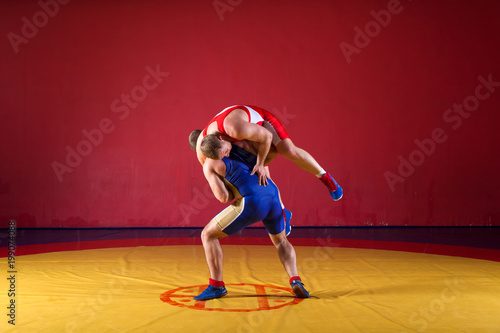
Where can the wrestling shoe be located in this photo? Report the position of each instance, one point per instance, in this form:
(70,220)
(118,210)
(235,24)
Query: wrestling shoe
(211,292)
(298,289)
(288,217)
(334,188)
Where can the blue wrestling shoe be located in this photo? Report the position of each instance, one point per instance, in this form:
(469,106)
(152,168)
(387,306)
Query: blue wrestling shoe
(334,188)
(298,289)
(211,292)
(288,217)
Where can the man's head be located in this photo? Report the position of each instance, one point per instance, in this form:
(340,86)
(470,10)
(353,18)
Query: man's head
(193,138)
(215,147)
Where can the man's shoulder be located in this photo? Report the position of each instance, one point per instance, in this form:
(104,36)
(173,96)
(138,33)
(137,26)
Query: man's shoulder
(214,166)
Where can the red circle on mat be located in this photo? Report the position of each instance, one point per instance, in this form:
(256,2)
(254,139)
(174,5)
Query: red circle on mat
(183,297)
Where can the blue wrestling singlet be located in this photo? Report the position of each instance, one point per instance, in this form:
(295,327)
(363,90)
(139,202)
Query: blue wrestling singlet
(257,202)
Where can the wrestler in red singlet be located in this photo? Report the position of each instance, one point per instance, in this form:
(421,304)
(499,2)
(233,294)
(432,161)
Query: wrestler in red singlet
(257,116)
(299,156)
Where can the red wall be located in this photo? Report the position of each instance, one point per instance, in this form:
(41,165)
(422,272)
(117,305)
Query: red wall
(357,101)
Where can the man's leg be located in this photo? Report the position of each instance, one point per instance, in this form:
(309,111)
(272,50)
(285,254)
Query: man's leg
(213,252)
(286,253)
(299,156)
(288,258)
(305,161)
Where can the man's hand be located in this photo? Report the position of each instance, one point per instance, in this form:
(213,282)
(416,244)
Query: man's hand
(261,171)
(268,174)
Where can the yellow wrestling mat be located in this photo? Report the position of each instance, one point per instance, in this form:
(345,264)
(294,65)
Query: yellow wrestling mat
(150,289)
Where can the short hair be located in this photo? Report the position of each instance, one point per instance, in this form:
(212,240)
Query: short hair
(210,146)
(193,138)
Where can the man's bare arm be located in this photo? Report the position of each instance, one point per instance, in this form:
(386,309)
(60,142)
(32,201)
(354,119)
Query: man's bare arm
(215,181)
(242,130)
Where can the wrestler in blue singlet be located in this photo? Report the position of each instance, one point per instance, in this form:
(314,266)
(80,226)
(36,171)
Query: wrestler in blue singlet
(259,203)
